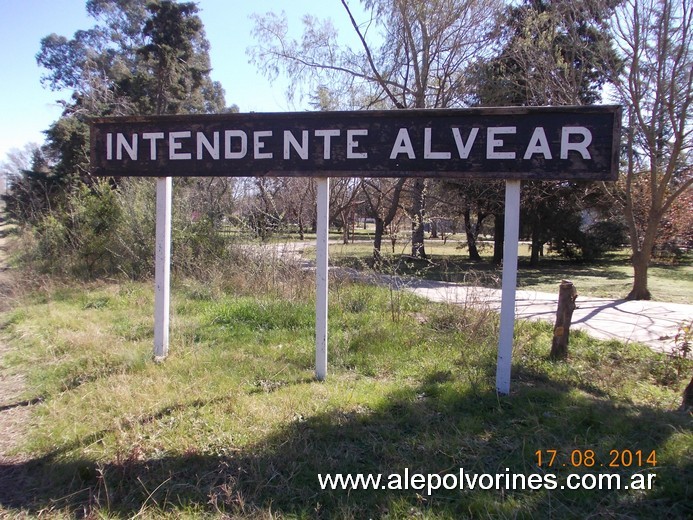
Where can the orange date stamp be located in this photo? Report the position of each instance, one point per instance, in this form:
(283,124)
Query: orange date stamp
(585,458)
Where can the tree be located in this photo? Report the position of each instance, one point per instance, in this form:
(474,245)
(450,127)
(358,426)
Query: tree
(176,61)
(142,58)
(139,58)
(417,60)
(382,198)
(676,229)
(31,184)
(551,52)
(654,39)
(465,198)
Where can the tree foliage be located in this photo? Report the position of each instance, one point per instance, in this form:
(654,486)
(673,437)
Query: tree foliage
(141,58)
(551,52)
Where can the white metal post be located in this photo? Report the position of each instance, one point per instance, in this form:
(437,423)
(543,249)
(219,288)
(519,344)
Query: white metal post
(507,317)
(323,196)
(162,275)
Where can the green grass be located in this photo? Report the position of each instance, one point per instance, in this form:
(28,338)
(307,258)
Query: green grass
(610,277)
(234,423)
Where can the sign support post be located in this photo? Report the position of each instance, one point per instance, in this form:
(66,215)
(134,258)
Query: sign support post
(321,277)
(507,317)
(162,276)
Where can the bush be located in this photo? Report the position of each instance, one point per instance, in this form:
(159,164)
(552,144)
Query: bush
(101,230)
(74,238)
(602,237)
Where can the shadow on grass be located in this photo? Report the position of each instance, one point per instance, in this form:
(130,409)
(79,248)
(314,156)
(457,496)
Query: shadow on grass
(459,269)
(432,428)
(555,271)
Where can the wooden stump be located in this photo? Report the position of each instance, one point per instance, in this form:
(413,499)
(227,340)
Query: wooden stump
(567,294)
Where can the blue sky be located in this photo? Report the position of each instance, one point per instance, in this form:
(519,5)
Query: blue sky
(27,108)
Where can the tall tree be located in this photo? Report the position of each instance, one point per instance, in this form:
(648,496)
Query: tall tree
(140,58)
(654,38)
(416,60)
(551,52)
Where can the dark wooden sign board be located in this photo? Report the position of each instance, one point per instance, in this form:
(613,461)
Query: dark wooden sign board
(544,143)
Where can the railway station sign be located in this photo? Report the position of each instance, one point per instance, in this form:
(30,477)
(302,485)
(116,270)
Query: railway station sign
(543,143)
(510,143)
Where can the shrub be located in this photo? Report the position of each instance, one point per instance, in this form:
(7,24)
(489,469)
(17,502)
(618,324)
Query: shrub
(602,237)
(102,230)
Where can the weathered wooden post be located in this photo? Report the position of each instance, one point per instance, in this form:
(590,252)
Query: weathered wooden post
(567,293)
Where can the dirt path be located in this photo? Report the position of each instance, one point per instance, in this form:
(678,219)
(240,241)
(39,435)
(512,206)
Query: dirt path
(14,411)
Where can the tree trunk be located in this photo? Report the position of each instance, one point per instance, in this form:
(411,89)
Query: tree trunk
(378,240)
(687,403)
(498,236)
(434,229)
(564,315)
(301,228)
(641,261)
(345,231)
(381,222)
(474,255)
(536,244)
(417,233)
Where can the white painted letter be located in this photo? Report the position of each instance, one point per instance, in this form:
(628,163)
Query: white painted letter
(122,143)
(538,144)
(152,137)
(228,154)
(109,146)
(327,135)
(290,141)
(464,148)
(351,144)
(259,145)
(402,145)
(174,146)
(492,143)
(428,154)
(580,147)
(212,149)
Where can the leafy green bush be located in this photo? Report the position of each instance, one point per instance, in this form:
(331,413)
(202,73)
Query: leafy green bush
(102,230)
(602,237)
(74,238)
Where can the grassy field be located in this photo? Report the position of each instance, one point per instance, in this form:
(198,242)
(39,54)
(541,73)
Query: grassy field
(611,277)
(234,424)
